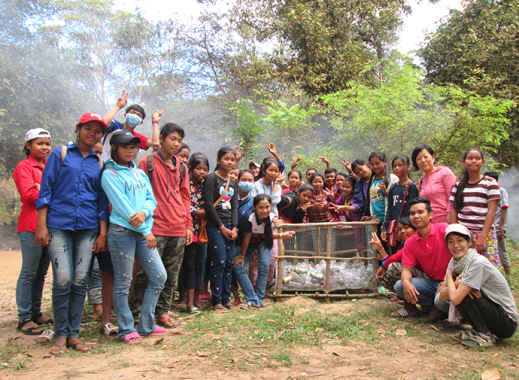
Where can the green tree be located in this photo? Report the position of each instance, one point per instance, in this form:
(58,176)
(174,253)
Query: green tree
(402,112)
(477,49)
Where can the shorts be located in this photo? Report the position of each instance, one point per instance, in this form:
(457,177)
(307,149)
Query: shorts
(105,262)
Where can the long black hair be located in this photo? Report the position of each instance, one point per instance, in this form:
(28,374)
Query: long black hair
(222,152)
(458,198)
(265,164)
(197,159)
(382,157)
(268,238)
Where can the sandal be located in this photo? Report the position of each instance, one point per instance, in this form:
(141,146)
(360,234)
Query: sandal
(402,313)
(166,321)
(132,338)
(79,346)
(45,337)
(35,330)
(219,308)
(58,349)
(231,306)
(108,329)
(46,321)
(157,330)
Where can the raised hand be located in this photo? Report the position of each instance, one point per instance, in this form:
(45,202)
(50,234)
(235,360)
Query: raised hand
(156,116)
(122,100)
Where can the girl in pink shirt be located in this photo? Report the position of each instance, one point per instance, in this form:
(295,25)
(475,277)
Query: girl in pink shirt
(436,184)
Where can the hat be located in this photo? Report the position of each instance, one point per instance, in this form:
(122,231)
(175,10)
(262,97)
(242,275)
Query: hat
(123,137)
(36,133)
(254,164)
(460,229)
(92,116)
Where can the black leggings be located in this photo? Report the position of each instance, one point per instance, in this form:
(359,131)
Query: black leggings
(192,265)
(487,316)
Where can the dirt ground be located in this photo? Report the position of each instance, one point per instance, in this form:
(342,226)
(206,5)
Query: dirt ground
(428,354)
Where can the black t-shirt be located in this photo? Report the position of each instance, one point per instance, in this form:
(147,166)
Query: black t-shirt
(289,208)
(226,211)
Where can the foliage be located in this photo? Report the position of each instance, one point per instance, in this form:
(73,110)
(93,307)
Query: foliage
(477,49)
(322,45)
(402,112)
(248,125)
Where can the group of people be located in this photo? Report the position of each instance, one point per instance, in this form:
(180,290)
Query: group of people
(170,223)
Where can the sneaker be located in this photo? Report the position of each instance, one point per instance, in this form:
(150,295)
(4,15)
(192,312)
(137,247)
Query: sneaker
(474,338)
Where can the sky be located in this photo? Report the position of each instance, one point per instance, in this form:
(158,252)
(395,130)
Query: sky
(424,19)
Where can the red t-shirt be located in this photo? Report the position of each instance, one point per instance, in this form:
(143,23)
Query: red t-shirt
(26,175)
(430,254)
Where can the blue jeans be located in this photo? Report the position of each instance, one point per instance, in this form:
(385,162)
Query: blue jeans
(427,289)
(126,246)
(221,253)
(264,255)
(71,256)
(29,288)
(240,272)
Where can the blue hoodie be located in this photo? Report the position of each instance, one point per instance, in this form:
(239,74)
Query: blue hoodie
(129,191)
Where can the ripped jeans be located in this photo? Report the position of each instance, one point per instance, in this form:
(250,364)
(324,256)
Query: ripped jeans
(71,256)
(126,246)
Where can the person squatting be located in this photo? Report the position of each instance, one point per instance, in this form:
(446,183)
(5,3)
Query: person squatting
(172,224)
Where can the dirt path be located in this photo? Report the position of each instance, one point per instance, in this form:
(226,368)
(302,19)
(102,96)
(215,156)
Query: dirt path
(398,350)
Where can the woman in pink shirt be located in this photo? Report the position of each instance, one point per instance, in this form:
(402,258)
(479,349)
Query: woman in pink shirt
(436,184)
(35,259)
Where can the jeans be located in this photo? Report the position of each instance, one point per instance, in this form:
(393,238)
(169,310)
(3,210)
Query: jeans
(264,256)
(240,273)
(29,288)
(71,256)
(126,246)
(425,286)
(221,252)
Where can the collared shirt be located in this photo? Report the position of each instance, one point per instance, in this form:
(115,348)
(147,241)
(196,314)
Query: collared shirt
(430,254)
(26,176)
(72,191)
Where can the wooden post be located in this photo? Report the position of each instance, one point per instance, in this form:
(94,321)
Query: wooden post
(328,262)
(279,277)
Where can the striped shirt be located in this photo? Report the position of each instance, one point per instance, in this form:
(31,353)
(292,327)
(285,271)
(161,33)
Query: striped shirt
(475,202)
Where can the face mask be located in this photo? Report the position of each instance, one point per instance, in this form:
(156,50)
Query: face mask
(246,187)
(133,120)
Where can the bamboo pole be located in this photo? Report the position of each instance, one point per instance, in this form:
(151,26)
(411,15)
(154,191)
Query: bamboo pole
(359,258)
(328,254)
(279,276)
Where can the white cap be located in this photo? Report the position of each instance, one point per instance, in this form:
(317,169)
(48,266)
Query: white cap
(36,133)
(459,229)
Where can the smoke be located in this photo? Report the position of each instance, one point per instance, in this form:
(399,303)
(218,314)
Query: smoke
(510,181)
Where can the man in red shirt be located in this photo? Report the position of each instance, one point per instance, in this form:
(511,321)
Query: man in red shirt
(426,250)
(173,225)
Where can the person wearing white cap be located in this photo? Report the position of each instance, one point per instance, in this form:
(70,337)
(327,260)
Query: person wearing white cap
(478,290)
(35,259)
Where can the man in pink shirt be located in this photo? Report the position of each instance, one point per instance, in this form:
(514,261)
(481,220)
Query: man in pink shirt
(425,250)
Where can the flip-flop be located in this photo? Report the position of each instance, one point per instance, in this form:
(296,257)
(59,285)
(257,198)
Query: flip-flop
(79,346)
(157,330)
(36,330)
(132,338)
(58,349)
(167,322)
(49,321)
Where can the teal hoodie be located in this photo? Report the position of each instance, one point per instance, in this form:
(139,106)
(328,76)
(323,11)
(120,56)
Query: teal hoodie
(129,191)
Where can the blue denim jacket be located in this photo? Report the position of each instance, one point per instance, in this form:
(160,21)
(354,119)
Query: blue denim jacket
(72,191)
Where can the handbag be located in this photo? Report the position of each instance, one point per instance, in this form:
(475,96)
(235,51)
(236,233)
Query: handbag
(392,227)
(202,231)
